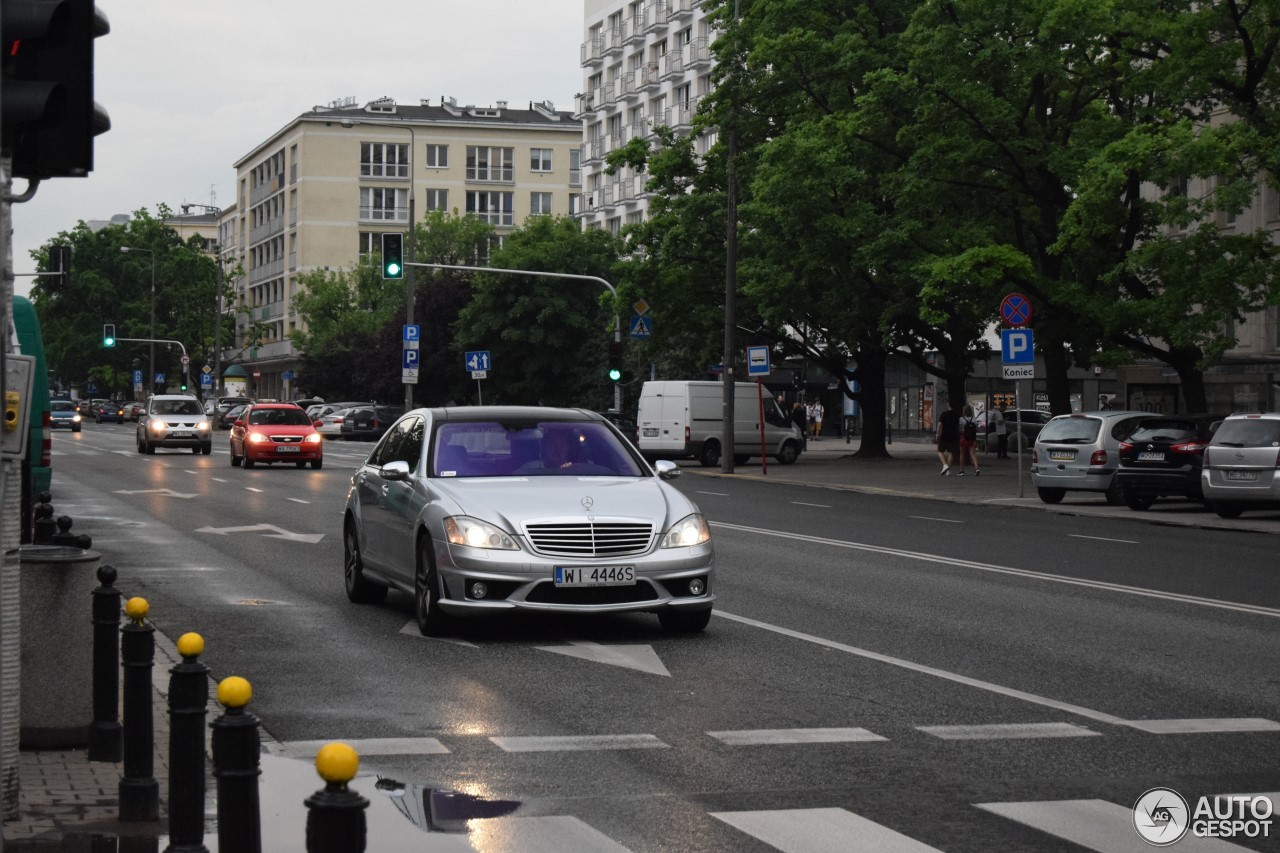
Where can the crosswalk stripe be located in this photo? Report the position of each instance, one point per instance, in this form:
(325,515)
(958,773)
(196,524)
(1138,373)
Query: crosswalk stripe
(577,743)
(756,737)
(1096,825)
(1210,726)
(821,831)
(558,834)
(370,746)
(1008,731)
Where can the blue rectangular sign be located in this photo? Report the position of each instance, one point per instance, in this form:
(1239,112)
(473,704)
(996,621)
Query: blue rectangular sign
(410,359)
(1017,346)
(476,360)
(413,333)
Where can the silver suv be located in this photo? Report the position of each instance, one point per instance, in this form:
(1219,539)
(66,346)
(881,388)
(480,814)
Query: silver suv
(174,420)
(1080,453)
(1242,465)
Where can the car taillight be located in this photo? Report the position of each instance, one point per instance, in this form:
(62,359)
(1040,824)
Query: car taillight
(1193,447)
(1099,457)
(1035,457)
(687,435)
(1126,445)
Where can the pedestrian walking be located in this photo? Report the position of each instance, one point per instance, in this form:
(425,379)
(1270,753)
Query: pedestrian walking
(969,440)
(948,437)
(818,412)
(996,427)
(808,412)
(801,420)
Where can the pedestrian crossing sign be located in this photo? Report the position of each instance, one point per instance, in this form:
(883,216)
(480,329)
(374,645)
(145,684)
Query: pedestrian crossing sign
(641,327)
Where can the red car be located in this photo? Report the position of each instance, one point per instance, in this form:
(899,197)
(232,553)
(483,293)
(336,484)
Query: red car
(275,432)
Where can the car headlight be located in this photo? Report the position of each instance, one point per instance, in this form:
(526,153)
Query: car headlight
(157,425)
(202,425)
(463,530)
(75,419)
(314,438)
(257,438)
(690,530)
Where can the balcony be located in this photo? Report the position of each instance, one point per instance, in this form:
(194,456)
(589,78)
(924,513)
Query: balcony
(680,117)
(266,272)
(673,64)
(624,88)
(613,40)
(656,16)
(639,129)
(376,215)
(680,10)
(273,350)
(632,30)
(593,51)
(698,53)
(583,105)
(268,229)
(648,75)
(592,149)
(270,187)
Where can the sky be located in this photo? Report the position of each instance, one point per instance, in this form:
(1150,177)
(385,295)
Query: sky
(192,87)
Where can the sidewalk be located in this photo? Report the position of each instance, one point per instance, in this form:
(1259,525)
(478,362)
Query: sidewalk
(65,799)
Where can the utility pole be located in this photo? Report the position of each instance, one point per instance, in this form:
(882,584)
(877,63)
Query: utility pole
(730,271)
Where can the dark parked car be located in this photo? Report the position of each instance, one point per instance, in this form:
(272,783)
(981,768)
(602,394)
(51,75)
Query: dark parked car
(107,410)
(1164,457)
(369,423)
(227,419)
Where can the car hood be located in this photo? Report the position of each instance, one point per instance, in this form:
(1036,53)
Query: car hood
(280,429)
(513,501)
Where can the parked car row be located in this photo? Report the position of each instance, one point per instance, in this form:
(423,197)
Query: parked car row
(1230,464)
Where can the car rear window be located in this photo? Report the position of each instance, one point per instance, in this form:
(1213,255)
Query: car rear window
(1166,431)
(1071,430)
(1248,432)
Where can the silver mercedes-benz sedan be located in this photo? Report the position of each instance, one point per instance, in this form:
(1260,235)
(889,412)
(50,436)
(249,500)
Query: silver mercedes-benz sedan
(486,509)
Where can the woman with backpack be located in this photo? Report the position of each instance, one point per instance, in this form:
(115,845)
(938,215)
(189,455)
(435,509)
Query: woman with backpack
(969,441)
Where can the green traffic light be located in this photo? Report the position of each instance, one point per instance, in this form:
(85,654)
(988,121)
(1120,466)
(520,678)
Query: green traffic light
(393,269)
(615,374)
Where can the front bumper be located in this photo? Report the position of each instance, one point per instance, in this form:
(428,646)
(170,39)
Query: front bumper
(168,439)
(273,452)
(519,580)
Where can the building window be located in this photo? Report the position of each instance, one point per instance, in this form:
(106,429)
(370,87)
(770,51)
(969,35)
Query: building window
(540,159)
(489,164)
(437,200)
(575,204)
(539,204)
(380,160)
(384,205)
(369,243)
(494,208)
(575,167)
(1271,201)
(437,156)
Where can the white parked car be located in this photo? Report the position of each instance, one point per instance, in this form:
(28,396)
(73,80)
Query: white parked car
(331,423)
(1242,465)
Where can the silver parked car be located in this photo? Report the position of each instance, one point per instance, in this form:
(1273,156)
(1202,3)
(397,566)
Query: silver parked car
(1242,465)
(1081,452)
(479,510)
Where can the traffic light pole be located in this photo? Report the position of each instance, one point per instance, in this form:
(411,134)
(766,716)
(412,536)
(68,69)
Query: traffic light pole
(617,320)
(186,362)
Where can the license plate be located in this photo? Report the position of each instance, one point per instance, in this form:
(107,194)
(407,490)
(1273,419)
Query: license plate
(1150,457)
(179,435)
(1242,475)
(650,433)
(287,448)
(595,576)
(1062,455)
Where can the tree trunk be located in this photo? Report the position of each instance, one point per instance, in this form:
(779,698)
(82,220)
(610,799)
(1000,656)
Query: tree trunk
(870,374)
(1185,361)
(1056,382)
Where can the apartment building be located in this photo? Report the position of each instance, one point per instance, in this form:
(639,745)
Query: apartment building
(318,193)
(645,64)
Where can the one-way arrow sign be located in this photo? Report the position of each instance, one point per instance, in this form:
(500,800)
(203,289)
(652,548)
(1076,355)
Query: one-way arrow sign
(309,538)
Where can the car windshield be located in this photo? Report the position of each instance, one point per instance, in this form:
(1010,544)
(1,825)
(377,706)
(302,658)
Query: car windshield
(1249,432)
(63,406)
(279,417)
(524,448)
(1071,430)
(177,407)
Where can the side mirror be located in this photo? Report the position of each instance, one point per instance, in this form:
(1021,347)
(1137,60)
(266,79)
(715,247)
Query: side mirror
(398,470)
(667,470)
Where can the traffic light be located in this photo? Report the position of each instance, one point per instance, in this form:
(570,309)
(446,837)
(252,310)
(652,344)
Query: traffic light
(615,361)
(108,334)
(393,255)
(60,262)
(49,117)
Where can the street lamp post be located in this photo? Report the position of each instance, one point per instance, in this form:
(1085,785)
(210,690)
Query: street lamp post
(217,300)
(152,366)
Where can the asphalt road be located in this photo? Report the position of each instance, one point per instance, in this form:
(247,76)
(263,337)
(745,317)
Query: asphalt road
(883,673)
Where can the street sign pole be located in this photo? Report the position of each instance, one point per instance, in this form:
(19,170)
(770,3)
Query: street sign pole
(1017,407)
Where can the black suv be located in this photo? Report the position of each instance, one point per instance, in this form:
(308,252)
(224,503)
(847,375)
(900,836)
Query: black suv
(1163,457)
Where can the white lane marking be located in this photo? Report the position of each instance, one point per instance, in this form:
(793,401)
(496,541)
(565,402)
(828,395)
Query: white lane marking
(717,494)
(1095,825)
(555,834)
(299,501)
(369,746)
(577,743)
(1008,731)
(758,737)
(1012,693)
(218,479)
(1006,570)
(931,518)
(821,506)
(1205,726)
(641,657)
(252,489)
(1103,539)
(821,831)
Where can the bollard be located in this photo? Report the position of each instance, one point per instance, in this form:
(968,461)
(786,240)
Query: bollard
(139,790)
(44,527)
(235,767)
(104,731)
(64,536)
(188,707)
(335,816)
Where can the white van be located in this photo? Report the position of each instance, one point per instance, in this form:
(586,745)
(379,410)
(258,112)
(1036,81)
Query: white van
(682,420)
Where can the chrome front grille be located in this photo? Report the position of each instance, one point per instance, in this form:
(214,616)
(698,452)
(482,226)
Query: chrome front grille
(287,439)
(593,539)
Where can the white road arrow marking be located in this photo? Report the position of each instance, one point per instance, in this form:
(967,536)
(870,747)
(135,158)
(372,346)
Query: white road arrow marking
(170,492)
(309,538)
(640,657)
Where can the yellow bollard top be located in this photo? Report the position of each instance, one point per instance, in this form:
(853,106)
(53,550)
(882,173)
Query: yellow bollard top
(234,692)
(337,762)
(137,609)
(191,645)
